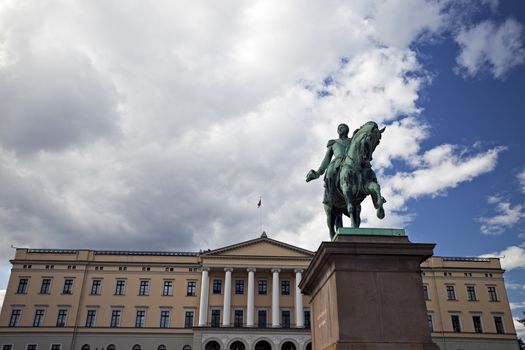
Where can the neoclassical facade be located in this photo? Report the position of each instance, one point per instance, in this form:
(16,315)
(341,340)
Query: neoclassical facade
(240,297)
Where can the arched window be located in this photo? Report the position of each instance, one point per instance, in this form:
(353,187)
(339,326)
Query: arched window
(309,346)
(237,345)
(263,345)
(136,347)
(288,346)
(186,347)
(111,347)
(85,347)
(161,347)
(212,345)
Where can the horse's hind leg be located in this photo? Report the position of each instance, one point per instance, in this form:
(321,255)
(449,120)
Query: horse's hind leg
(357,214)
(375,191)
(330,221)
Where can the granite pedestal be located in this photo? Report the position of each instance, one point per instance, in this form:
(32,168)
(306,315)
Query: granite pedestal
(367,293)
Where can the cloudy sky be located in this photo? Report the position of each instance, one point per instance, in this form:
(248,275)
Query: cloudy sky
(157,126)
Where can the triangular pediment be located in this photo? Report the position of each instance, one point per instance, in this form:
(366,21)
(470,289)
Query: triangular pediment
(261,247)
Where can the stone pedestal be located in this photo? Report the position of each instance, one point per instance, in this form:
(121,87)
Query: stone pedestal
(367,292)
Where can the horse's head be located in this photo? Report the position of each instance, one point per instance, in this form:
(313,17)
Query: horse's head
(365,140)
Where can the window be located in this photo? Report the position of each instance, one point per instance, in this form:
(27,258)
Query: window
(120,287)
(476,320)
(90,318)
(471,293)
(191,288)
(217,286)
(7,347)
(115,318)
(430,323)
(95,287)
(238,318)
(144,287)
(498,322)
(22,286)
(168,288)
(186,347)
(188,319)
(164,319)
(161,347)
(137,346)
(85,347)
(39,318)
(68,286)
(307,322)
(140,319)
(261,318)
(32,347)
(239,286)
(45,288)
(493,296)
(451,293)
(15,317)
(263,287)
(56,346)
(215,318)
(285,287)
(456,325)
(285,318)
(111,347)
(425,292)
(61,318)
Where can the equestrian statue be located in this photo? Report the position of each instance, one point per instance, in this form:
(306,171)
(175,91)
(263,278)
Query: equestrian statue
(349,177)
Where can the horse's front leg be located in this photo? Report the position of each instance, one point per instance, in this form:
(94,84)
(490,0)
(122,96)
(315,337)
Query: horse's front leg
(346,189)
(357,215)
(375,191)
(329,210)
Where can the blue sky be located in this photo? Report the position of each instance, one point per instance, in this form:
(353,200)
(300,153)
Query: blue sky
(158,126)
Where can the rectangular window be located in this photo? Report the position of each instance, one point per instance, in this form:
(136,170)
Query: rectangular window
(456,325)
(493,296)
(7,347)
(430,323)
(120,287)
(498,322)
(217,286)
(45,288)
(451,293)
(426,294)
(239,286)
(32,347)
(164,319)
(61,318)
(140,319)
(307,322)
(90,318)
(39,318)
(168,288)
(22,286)
(115,318)
(68,286)
(215,318)
(261,318)
(15,317)
(144,287)
(238,318)
(285,318)
(95,287)
(476,321)
(191,288)
(56,347)
(285,287)
(263,287)
(471,293)
(188,319)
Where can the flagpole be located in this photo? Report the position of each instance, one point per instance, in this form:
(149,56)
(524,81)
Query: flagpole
(259,206)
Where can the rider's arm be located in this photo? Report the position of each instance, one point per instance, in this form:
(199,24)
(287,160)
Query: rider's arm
(326,161)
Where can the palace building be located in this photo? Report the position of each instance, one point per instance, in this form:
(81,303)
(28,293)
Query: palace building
(240,297)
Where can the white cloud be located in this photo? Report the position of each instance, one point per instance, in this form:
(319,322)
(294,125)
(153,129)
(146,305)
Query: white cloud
(517,305)
(506,216)
(520,328)
(492,46)
(521,180)
(512,257)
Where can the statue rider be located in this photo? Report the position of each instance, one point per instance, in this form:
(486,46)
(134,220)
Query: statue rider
(335,154)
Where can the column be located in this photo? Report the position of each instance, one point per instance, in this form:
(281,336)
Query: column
(250,309)
(299,312)
(227,297)
(203,307)
(275,298)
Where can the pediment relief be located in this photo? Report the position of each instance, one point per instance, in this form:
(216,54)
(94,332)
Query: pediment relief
(260,248)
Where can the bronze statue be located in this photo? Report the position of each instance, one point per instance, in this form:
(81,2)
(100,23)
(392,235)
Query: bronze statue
(349,176)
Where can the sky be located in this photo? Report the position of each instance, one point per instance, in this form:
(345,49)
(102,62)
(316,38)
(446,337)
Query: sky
(158,125)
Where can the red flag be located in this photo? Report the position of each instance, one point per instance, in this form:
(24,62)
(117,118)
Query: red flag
(259,204)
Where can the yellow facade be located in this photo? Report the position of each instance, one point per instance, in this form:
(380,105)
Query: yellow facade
(80,299)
